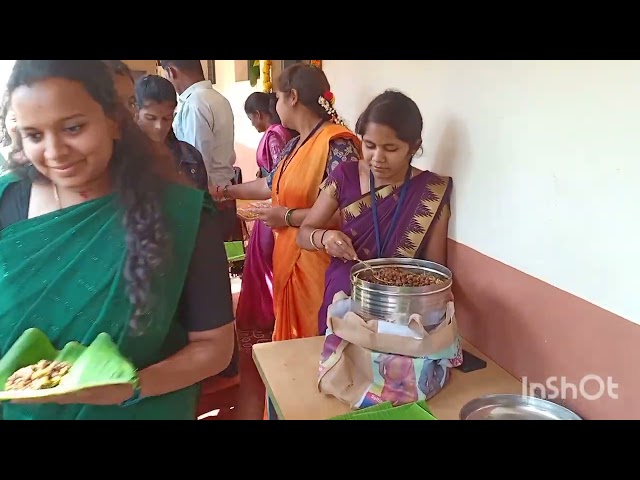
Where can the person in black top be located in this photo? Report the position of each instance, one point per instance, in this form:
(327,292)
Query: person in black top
(156,101)
(95,238)
(205,303)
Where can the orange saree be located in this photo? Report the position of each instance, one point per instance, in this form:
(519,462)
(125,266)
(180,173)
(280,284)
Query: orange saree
(298,274)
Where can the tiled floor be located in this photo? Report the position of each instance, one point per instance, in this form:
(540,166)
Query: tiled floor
(243,401)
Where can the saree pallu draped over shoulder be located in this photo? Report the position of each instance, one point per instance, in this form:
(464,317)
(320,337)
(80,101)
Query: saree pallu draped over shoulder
(428,197)
(62,273)
(299,274)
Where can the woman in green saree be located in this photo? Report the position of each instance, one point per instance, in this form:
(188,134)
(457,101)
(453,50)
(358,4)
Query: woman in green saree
(93,238)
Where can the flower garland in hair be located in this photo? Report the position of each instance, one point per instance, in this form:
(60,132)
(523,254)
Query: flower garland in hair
(326,101)
(266,76)
(316,63)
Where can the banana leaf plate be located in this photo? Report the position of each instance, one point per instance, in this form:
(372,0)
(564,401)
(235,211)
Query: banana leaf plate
(97,364)
(235,251)
(385,411)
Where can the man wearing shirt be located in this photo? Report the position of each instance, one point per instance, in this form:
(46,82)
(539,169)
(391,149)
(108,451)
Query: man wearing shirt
(203,118)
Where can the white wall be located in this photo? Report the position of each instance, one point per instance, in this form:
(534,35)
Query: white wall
(545,157)
(237,93)
(5,71)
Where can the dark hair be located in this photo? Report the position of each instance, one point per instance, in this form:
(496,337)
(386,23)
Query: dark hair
(192,66)
(154,88)
(396,111)
(118,67)
(137,186)
(263,103)
(310,82)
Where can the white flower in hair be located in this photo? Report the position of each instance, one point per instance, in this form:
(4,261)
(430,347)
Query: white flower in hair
(328,107)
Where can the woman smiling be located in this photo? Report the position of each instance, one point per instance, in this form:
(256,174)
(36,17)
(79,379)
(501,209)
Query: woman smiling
(93,240)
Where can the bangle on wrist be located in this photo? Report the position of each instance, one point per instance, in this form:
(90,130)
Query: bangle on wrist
(311,239)
(287,217)
(322,237)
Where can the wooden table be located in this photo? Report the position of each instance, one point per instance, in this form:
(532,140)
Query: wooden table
(289,370)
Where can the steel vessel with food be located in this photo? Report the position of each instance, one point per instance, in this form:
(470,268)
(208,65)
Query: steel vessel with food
(393,289)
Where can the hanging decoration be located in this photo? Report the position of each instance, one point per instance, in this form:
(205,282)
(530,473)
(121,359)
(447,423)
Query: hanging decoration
(316,63)
(266,76)
(254,71)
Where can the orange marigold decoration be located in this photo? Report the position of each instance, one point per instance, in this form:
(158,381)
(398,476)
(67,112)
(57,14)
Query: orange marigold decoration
(266,76)
(316,63)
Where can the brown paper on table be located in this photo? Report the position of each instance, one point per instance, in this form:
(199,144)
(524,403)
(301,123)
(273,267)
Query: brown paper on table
(347,372)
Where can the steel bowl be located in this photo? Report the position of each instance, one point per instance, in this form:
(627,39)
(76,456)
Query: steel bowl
(514,407)
(397,304)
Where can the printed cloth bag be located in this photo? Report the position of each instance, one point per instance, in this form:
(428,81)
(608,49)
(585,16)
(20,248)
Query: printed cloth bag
(368,362)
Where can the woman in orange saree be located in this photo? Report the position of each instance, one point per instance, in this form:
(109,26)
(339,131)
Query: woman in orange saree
(304,105)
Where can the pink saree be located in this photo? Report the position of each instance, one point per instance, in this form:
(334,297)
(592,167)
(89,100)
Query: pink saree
(255,304)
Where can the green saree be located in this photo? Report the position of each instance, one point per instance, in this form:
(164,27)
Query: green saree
(62,273)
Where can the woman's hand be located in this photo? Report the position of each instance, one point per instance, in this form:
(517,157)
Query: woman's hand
(107,395)
(273,217)
(338,245)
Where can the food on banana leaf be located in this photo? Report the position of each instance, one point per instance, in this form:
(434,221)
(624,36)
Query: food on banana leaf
(44,374)
(34,368)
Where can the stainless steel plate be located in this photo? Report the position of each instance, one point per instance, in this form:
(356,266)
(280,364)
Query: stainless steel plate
(514,407)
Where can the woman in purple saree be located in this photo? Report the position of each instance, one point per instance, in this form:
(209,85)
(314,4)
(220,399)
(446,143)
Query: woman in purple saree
(255,304)
(407,217)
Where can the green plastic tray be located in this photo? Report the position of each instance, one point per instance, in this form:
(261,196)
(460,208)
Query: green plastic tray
(411,411)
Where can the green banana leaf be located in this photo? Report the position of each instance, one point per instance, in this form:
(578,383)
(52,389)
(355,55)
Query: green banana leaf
(412,411)
(235,251)
(375,408)
(254,72)
(98,364)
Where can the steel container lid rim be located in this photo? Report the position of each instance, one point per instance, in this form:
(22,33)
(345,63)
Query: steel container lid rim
(425,265)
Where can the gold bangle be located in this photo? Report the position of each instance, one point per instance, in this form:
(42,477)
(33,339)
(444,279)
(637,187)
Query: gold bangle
(311,239)
(287,217)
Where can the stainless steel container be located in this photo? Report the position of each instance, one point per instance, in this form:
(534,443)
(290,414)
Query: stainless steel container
(372,301)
